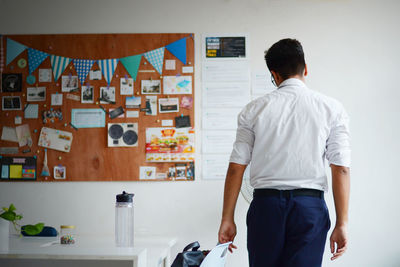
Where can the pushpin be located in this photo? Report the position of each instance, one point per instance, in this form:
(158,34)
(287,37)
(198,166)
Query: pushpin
(97,102)
(182,115)
(160,76)
(137,93)
(51,109)
(145,63)
(50,47)
(23,94)
(35,131)
(44,105)
(7,114)
(158,120)
(34,157)
(57,84)
(126,76)
(38,151)
(59,158)
(65,125)
(190,63)
(45,178)
(116,75)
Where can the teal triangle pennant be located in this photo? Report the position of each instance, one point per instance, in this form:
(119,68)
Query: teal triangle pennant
(13,50)
(131,65)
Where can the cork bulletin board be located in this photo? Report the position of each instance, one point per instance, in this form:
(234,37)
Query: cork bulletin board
(34,62)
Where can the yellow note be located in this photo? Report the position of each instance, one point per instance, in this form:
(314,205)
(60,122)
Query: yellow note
(15,171)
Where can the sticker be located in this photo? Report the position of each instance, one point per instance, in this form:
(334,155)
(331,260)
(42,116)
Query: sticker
(187,102)
(21,63)
(15,171)
(18,119)
(60,172)
(132,114)
(166,123)
(30,79)
(147,173)
(187,69)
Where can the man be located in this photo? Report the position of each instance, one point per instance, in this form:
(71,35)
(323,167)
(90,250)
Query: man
(286,135)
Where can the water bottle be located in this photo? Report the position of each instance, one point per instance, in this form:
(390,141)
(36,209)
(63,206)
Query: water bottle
(124,220)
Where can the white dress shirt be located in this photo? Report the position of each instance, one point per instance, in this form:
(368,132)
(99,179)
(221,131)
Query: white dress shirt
(287,134)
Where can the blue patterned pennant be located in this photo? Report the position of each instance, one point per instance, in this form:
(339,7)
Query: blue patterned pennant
(82,67)
(178,49)
(58,65)
(35,58)
(108,67)
(156,58)
(13,50)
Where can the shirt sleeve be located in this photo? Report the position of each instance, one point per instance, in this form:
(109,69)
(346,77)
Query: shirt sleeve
(243,146)
(338,144)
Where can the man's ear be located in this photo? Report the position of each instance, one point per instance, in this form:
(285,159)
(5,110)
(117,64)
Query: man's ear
(277,77)
(305,70)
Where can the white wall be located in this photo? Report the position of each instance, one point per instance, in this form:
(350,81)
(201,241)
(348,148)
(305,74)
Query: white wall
(352,51)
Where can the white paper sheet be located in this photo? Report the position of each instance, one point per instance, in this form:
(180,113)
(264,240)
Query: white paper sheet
(9,134)
(220,118)
(226,94)
(226,71)
(170,64)
(217,142)
(215,166)
(261,82)
(132,114)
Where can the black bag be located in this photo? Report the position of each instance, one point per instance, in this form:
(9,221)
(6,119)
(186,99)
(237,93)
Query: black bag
(189,257)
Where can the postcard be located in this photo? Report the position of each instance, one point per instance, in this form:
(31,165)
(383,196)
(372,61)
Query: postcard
(56,99)
(95,74)
(87,94)
(151,86)
(107,95)
(177,85)
(151,105)
(167,105)
(126,86)
(133,102)
(69,83)
(11,102)
(36,94)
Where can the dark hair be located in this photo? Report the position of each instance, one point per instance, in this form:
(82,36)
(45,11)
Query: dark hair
(286,57)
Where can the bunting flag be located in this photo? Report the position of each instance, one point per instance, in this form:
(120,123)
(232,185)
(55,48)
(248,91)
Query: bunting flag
(13,50)
(132,64)
(108,67)
(82,67)
(35,58)
(178,49)
(58,64)
(156,58)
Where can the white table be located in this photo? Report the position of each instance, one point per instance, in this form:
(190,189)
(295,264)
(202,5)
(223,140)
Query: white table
(152,251)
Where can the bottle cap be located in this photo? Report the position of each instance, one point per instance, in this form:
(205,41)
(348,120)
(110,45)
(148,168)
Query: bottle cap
(125,197)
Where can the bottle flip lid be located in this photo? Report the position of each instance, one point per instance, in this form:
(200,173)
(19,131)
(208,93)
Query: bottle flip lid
(125,197)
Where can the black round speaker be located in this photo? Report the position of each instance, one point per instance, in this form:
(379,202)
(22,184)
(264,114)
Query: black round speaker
(130,137)
(115,131)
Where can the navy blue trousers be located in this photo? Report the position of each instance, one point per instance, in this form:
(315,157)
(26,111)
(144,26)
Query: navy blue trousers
(287,231)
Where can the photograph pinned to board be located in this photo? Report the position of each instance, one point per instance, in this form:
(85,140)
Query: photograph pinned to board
(11,82)
(87,94)
(147,173)
(171,172)
(56,99)
(116,113)
(180,171)
(126,86)
(133,102)
(24,135)
(187,102)
(176,85)
(151,87)
(95,75)
(151,105)
(69,83)
(167,105)
(107,95)
(11,103)
(60,172)
(55,139)
(45,75)
(35,94)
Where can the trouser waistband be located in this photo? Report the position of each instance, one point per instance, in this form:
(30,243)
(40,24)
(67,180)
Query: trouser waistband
(287,193)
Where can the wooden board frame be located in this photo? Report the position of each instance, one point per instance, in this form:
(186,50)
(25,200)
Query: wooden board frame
(90,159)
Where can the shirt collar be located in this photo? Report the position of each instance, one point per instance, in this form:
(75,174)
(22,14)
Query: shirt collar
(292,82)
